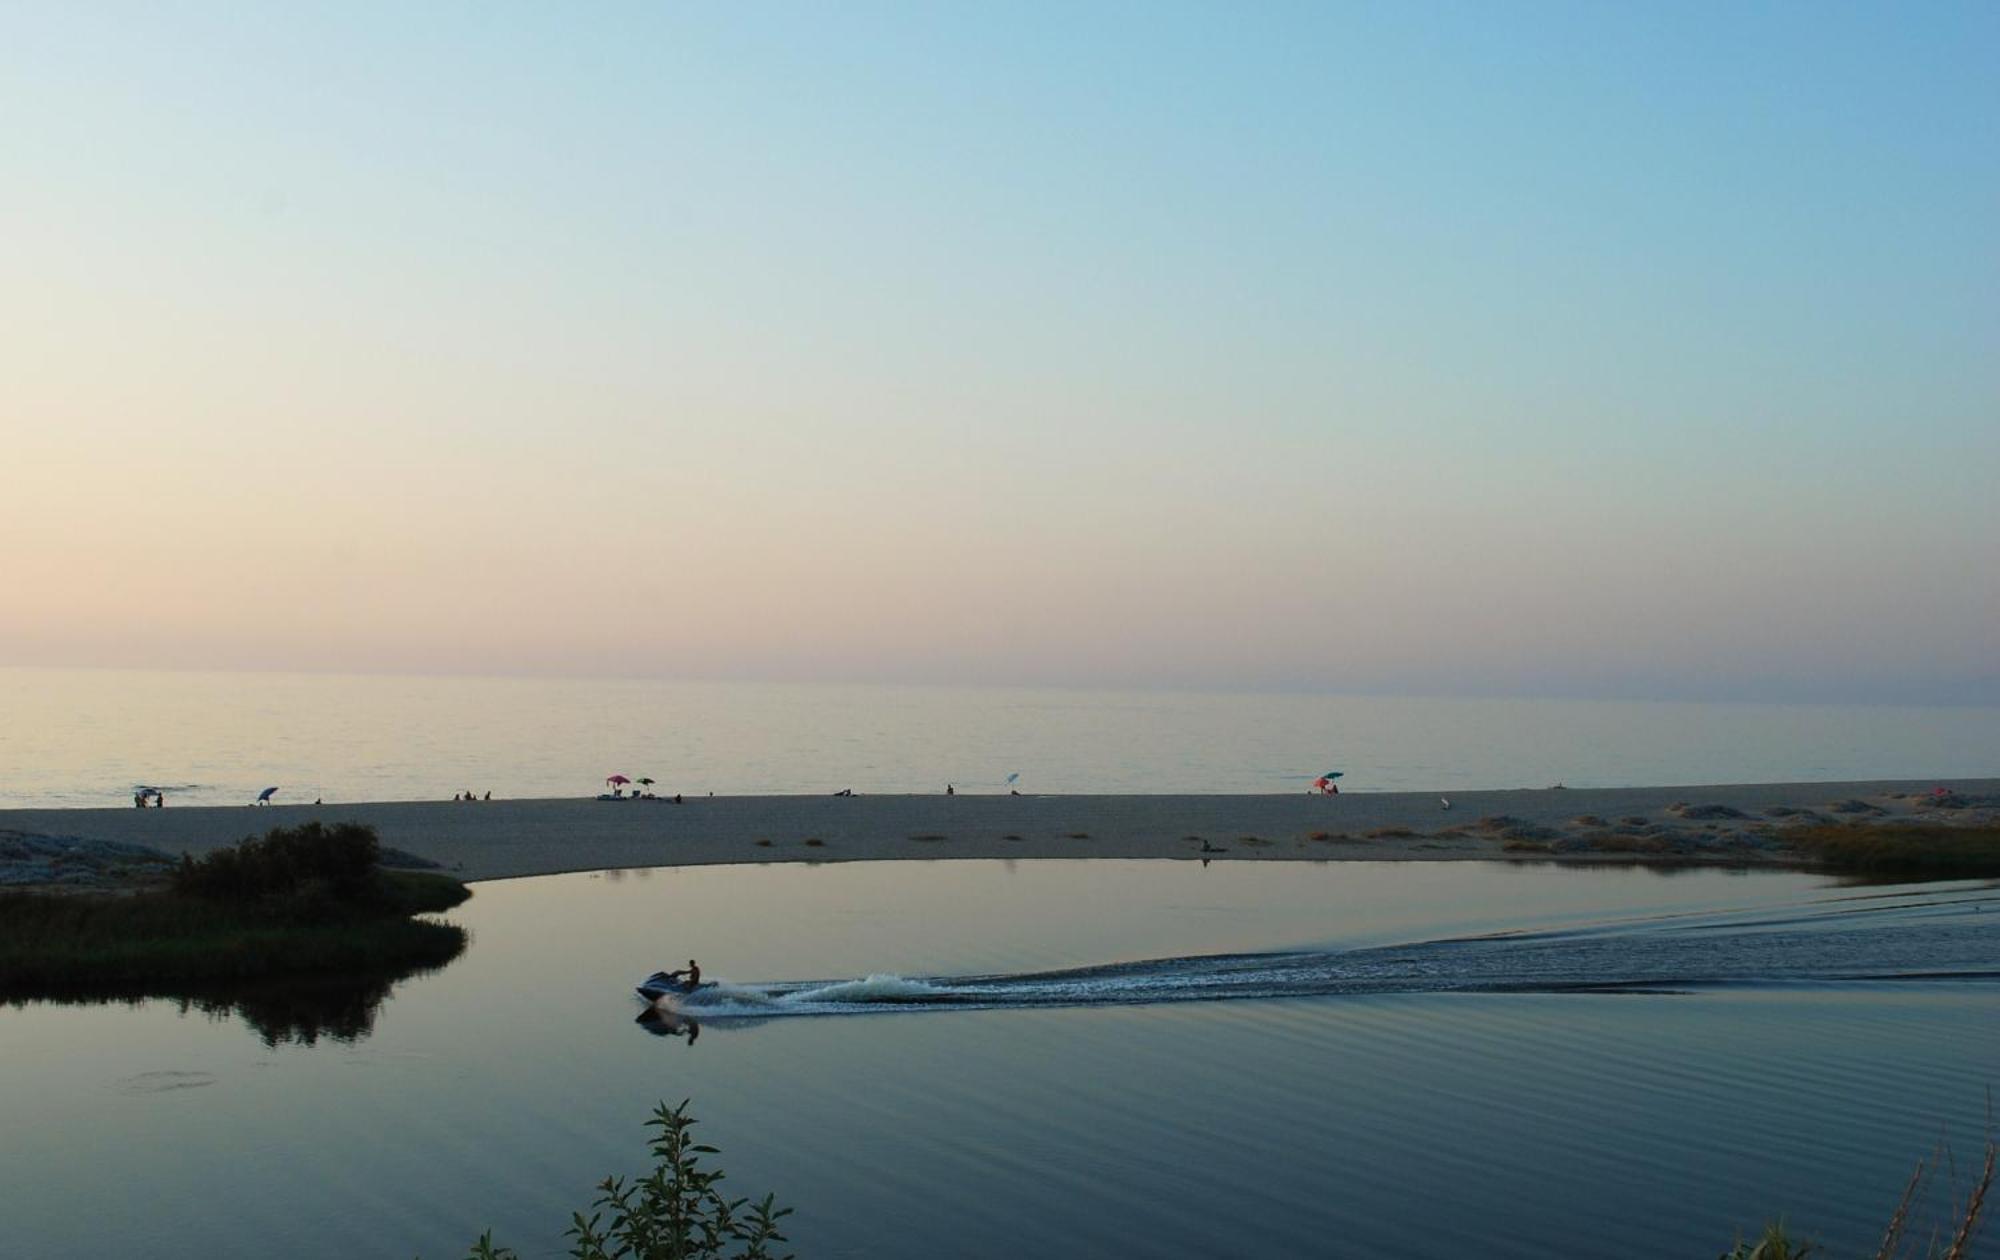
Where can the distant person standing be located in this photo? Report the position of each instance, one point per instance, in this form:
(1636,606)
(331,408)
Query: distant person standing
(949,791)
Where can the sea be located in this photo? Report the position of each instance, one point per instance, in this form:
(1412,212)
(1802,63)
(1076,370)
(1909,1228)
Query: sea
(89,737)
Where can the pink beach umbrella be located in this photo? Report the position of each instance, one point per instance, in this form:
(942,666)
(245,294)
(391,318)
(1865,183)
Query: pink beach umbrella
(617,780)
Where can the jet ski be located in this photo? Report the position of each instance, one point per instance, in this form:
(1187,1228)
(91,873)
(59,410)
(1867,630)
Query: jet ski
(664,984)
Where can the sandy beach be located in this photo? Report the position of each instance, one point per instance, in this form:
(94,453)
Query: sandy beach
(507,839)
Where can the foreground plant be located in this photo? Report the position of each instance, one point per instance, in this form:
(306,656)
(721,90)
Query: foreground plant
(1774,1244)
(675,1213)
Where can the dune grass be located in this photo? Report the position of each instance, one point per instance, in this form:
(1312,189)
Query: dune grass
(1900,848)
(1618,842)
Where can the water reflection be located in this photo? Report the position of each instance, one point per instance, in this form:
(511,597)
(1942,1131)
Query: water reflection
(296,1011)
(668,1023)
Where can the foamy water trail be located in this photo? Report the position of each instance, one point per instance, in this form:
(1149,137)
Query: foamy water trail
(1938,932)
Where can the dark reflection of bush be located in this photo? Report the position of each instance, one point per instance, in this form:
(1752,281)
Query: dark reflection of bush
(297,1011)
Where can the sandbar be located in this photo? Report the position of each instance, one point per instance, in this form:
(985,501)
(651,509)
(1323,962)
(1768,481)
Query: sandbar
(1726,823)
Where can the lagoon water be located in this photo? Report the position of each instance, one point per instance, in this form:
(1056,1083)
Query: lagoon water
(86,737)
(1158,1059)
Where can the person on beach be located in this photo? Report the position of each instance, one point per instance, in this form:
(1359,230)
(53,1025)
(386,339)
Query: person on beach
(949,790)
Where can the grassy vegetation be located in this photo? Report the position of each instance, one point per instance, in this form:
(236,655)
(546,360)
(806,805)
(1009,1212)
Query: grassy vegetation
(1617,842)
(1905,1238)
(1900,848)
(304,900)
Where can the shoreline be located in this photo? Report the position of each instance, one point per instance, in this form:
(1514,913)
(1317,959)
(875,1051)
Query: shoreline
(1732,824)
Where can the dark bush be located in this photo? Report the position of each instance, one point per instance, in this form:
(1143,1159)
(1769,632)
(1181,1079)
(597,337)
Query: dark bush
(304,865)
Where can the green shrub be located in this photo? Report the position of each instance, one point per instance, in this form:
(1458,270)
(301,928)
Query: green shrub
(675,1213)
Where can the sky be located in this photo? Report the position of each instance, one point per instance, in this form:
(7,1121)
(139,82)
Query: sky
(1428,348)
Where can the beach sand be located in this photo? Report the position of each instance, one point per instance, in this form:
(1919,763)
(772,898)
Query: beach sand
(1733,823)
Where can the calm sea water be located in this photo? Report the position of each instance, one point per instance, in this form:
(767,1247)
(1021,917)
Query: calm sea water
(1163,1061)
(86,737)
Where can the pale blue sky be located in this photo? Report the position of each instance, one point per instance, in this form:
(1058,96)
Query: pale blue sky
(1576,349)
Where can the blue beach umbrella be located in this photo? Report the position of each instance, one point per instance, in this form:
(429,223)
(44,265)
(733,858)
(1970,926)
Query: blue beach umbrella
(264,797)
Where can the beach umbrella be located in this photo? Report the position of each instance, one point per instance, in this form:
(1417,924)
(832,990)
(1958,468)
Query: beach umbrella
(645,782)
(617,780)
(1331,774)
(264,797)
(1012,778)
